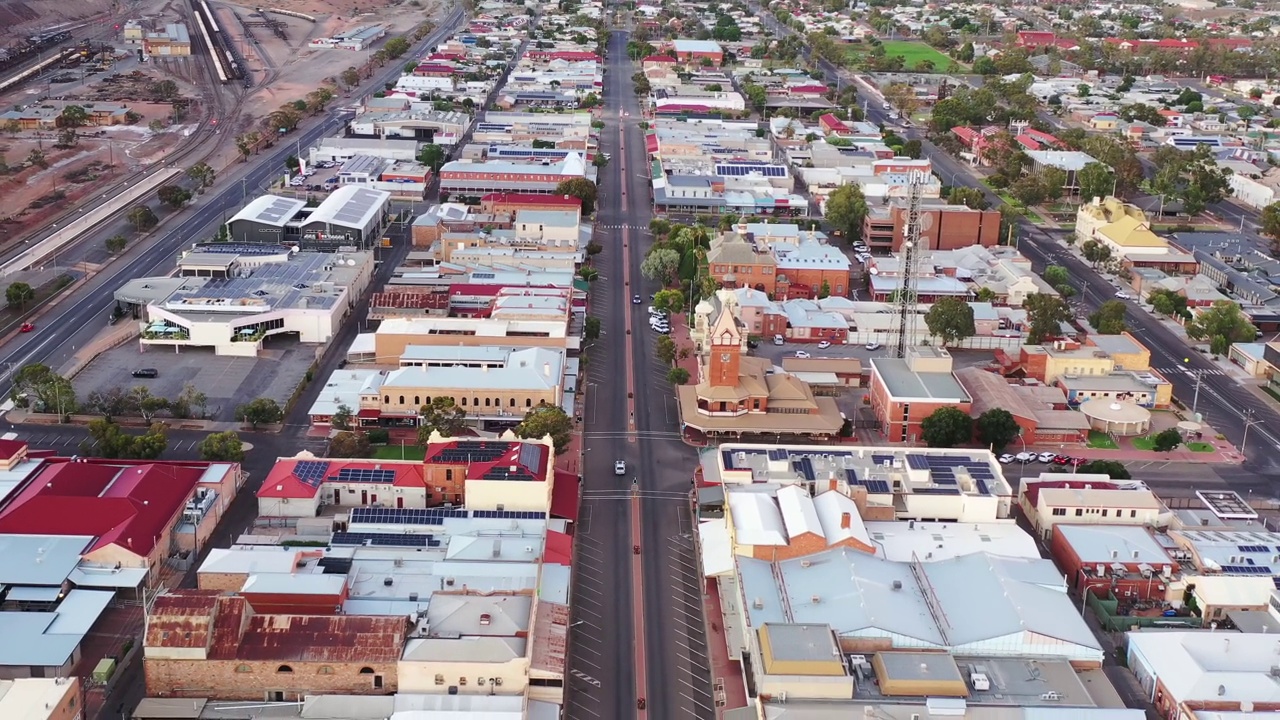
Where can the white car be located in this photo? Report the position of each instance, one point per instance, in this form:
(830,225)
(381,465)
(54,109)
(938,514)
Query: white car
(619,467)
(635,300)
(824,344)
(1006,458)
(802,355)
(655,312)
(1047,457)
(1025,457)
(885,106)
(1123,296)
(873,346)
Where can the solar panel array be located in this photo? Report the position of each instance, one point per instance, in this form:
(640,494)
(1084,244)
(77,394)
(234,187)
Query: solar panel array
(311,472)
(727,457)
(368,475)
(508,472)
(512,514)
(804,466)
(778,454)
(882,459)
(982,486)
(353,211)
(279,210)
(740,170)
(878,486)
(916,461)
(473,451)
(1254,548)
(405,516)
(936,491)
(1247,570)
(384,539)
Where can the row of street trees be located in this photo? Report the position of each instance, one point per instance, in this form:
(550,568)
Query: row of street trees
(442,415)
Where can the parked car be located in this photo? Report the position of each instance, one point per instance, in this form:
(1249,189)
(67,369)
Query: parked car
(753,344)
(146,373)
(1025,457)
(27,327)
(824,344)
(655,312)
(777,340)
(1063,460)
(619,467)
(1047,457)
(803,355)
(1005,459)
(1123,296)
(873,346)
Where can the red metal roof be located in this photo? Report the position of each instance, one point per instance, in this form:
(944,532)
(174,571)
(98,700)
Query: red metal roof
(651,143)
(532,199)
(410,300)
(658,59)
(125,503)
(1027,142)
(1033,489)
(808,89)
(1032,38)
(558,550)
(284,482)
(564,496)
(372,413)
(9,449)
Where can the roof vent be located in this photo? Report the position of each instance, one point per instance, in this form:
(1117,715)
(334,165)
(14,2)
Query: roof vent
(897,584)
(815,599)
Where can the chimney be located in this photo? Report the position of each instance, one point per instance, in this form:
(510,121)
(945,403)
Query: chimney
(831,484)
(846,519)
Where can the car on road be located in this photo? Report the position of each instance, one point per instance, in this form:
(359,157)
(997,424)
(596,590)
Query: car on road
(824,344)
(753,344)
(619,467)
(1123,296)
(1025,457)
(27,327)
(635,300)
(1062,460)
(803,355)
(873,346)
(885,106)
(1006,458)
(1047,457)
(777,340)
(146,373)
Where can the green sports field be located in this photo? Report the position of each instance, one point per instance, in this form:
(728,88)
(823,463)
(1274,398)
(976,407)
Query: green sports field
(914,52)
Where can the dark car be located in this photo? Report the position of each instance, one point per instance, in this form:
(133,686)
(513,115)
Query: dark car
(146,373)
(753,344)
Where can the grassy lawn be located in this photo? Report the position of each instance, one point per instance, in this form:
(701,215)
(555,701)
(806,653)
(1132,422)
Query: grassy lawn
(1199,447)
(914,52)
(1144,443)
(396,452)
(1101,441)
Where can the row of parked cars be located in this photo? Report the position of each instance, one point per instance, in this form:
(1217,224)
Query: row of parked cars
(1047,458)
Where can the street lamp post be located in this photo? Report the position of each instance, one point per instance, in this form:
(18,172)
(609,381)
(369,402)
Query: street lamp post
(1199,374)
(1248,423)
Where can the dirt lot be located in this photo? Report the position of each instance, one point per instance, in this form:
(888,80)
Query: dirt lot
(228,381)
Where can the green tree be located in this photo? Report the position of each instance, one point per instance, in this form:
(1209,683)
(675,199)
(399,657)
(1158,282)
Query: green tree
(1169,303)
(581,188)
(343,417)
(202,173)
(18,294)
(545,420)
(1053,183)
(972,198)
(148,405)
(73,116)
(588,273)
(661,264)
(1269,225)
(261,411)
(1056,275)
(37,386)
(107,440)
(669,300)
(1221,324)
(1095,252)
(591,328)
(946,427)
(222,447)
(116,244)
(997,428)
(142,218)
(110,403)
(349,444)
(845,210)
(951,320)
(665,349)
(395,47)
(677,376)
(985,294)
(913,149)
(1028,190)
(440,415)
(173,195)
(1045,314)
(1113,468)
(190,402)
(1166,440)
(433,156)
(350,77)
(1109,318)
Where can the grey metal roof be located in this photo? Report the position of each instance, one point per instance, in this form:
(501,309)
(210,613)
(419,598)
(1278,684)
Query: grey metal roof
(270,210)
(800,642)
(366,164)
(903,382)
(39,559)
(350,206)
(48,639)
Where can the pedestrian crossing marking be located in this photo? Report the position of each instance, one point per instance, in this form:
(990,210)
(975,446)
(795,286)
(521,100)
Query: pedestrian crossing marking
(620,227)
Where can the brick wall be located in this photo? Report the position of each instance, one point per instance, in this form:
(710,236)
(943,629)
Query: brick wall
(227,582)
(261,680)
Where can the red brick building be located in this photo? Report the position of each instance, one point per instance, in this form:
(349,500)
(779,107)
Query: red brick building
(906,391)
(943,227)
(1123,560)
(510,203)
(202,644)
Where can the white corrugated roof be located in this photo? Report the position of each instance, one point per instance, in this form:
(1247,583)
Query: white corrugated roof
(831,507)
(797,511)
(1195,665)
(756,519)
(717,553)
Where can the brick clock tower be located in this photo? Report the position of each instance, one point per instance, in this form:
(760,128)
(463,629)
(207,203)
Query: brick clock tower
(725,351)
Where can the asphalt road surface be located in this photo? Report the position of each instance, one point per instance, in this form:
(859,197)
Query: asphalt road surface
(638,628)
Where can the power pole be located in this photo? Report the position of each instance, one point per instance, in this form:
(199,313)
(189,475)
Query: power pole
(908,294)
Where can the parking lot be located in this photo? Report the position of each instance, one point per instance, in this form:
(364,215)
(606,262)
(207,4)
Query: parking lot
(227,381)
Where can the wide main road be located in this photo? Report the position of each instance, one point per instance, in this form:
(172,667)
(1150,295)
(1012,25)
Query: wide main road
(81,315)
(638,628)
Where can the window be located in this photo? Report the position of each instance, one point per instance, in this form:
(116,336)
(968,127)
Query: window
(386,399)
(486,402)
(417,401)
(448,475)
(1133,513)
(513,402)
(480,681)
(401,399)
(439,679)
(464,402)
(528,402)
(377,682)
(462,681)
(284,669)
(1079,512)
(366,671)
(1059,511)
(1104,512)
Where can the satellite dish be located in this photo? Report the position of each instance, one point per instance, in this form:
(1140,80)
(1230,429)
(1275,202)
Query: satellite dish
(351,262)
(295,248)
(875,271)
